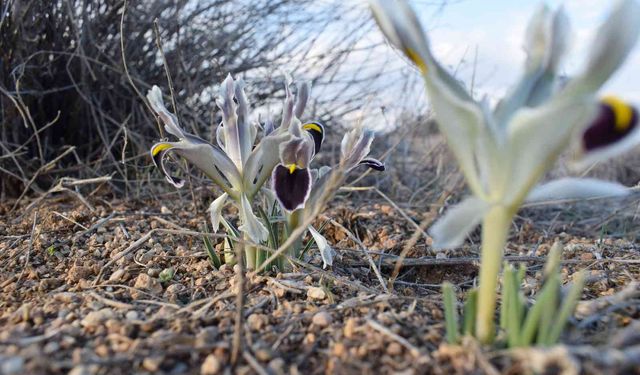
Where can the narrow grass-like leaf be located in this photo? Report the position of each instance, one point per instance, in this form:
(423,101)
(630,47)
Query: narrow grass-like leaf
(469,313)
(233,231)
(532,320)
(552,266)
(211,251)
(568,306)
(520,302)
(271,228)
(514,307)
(229,252)
(549,310)
(450,312)
(506,294)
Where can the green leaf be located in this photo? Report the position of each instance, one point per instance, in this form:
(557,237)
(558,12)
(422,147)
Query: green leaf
(532,320)
(506,294)
(231,230)
(229,252)
(469,313)
(567,308)
(166,274)
(450,313)
(549,311)
(211,251)
(272,240)
(51,250)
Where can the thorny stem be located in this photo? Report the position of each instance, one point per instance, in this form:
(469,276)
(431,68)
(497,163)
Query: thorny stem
(495,228)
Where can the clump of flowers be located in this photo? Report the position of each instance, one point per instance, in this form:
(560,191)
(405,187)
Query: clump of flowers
(262,169)
(504,151)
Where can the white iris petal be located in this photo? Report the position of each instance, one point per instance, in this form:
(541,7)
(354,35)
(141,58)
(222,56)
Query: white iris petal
(576,188)
(326,252)
(215,211)
(455,225)
(251,225)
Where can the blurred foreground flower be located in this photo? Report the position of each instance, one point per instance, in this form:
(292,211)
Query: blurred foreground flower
(240,167)
(503,152)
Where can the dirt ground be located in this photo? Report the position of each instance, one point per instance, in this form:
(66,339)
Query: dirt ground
(100,288)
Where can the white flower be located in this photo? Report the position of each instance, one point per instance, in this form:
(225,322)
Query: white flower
(505,151)
(326,252)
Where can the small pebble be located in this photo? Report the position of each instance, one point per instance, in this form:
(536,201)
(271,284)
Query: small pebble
(316,293)
(152,363)
(350,328)
(257,321)
(96,318)
(210,366)
(117,275)
(84,370)
(11,365)
(147,283)
(322,319)
(394,349)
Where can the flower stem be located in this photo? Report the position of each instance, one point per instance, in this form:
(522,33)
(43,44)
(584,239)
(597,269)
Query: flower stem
(293,222)
(495,228)
(249,253)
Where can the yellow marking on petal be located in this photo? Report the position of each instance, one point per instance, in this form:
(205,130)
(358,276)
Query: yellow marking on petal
(160,147)
(292,168)
(415,57)
(312,126)
(622,112)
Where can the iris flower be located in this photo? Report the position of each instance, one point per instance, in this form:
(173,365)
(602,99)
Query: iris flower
(243,165)
(504,151)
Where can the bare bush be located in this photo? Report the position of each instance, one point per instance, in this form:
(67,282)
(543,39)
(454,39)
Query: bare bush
(65,90)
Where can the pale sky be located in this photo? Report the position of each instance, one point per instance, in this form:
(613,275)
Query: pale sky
(496,28)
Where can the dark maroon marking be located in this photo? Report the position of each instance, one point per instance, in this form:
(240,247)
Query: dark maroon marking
(317,136)
(373,164)
(602,131)
(292,189)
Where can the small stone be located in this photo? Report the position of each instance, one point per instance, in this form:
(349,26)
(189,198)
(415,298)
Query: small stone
(211,365)
(131,315)
(206,337)
(164,210)
(84,370)
(350,328)
(153,272)
(586,256)
(257,321)
(148,284)
(117,275)
(263,355)
(96,318)
(394,349)
(322,319)
(152,363)
(224,268)
(12,365)
(76,273)
(316,293)
(51,347)
(102,351)
(339,350)
(277,366)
